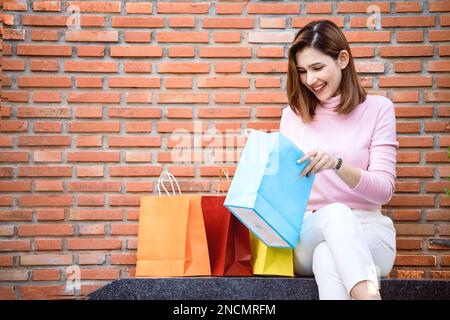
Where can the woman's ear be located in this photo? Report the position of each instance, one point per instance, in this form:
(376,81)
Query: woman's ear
(344,58)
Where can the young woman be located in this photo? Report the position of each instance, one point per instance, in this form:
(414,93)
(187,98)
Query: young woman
(349,137)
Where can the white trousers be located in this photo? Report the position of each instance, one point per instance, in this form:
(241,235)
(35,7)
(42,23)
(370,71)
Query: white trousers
(342,246)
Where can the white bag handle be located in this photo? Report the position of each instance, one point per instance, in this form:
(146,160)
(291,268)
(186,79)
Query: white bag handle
(171,179)
(246,131)
(223,172)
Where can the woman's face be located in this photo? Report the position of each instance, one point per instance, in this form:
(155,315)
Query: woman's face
(320,73)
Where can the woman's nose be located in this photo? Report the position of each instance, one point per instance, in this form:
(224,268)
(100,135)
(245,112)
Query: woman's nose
(310,79)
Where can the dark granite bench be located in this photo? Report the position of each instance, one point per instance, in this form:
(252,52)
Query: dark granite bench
(255,288)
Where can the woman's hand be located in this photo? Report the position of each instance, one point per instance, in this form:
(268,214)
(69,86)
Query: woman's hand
(320,161)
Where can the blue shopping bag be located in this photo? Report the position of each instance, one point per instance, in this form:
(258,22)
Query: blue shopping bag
(267,193)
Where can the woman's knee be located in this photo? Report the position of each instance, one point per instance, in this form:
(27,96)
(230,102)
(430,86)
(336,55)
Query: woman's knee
(336,214)
(336,208)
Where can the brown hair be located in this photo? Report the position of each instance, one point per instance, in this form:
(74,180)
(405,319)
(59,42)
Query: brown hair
(325,36)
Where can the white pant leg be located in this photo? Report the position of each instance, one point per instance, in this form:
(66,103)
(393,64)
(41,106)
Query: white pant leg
(379,232)
(354,238)
(329,281)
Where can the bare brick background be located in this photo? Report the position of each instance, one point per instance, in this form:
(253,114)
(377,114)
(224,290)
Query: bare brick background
(89,115)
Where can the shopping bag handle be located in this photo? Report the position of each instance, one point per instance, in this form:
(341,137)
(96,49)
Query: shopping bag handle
(223,172)
(171,178)
(246,131)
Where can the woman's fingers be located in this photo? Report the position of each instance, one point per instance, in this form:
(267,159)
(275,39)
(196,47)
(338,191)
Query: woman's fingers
(319,162)
(311,165)
(321,165)
(307,155)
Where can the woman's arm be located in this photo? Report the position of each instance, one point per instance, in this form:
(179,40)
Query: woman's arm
(349,174)
(377,183)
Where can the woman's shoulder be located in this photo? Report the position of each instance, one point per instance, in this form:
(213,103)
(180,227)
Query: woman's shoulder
(287,112)
(289,119)
(380,108)
(378,101)
(287,109)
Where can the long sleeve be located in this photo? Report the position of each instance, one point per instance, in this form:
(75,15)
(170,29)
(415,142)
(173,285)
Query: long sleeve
(377,184)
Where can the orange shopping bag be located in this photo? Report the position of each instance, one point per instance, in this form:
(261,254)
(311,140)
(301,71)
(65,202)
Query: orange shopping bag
(171,235)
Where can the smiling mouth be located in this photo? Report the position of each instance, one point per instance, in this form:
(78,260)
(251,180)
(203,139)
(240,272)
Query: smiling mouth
(319,88)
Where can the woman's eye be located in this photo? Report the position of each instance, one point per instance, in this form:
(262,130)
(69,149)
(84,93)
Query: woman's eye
(315,69)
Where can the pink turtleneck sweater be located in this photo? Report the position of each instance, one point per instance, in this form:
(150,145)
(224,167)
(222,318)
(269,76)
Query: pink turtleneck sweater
(366,139)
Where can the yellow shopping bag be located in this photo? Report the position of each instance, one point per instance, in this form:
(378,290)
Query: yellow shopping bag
(271,261)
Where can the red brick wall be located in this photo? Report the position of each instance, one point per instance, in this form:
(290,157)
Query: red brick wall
(87,119)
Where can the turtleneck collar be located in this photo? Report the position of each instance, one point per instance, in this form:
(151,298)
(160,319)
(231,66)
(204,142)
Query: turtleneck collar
(330,104)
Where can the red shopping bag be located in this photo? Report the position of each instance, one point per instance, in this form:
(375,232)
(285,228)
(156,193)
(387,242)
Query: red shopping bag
(228,239)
